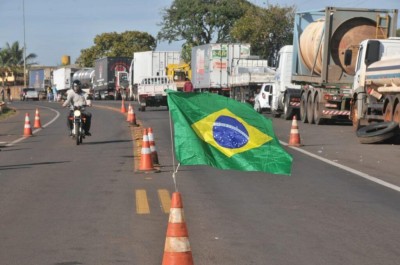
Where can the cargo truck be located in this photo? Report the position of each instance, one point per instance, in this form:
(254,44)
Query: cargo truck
(229,70)
(375,111)
(149,64)
(280,96)
(63,78)
(212,63)
(320,41)
(107,72)
(40,78)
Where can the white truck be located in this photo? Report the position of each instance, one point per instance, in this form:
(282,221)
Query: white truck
(246,77)
(149,64)
(320,41)
(151,92)
(375,110)
(280,96)
(63,78)
(229,70)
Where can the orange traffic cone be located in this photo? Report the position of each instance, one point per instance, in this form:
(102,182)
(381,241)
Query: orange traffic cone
(146,163)
(37,123)
(177,248)
(123,109)
(294,139)
(27,126)
(129,116)
(153,151)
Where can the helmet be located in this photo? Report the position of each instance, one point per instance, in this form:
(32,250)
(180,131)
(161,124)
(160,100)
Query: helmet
(76,85)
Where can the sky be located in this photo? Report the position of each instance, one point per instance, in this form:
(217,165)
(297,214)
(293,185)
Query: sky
(54,28)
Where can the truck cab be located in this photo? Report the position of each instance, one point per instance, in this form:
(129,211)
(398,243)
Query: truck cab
(263,99)
(286,95)
(374,65)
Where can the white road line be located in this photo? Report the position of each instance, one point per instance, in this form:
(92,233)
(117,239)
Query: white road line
(38,129)
(346,168)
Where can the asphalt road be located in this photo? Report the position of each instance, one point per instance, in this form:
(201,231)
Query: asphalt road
(67,204)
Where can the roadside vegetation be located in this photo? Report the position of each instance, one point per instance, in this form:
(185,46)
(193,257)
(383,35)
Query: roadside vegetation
(7,112)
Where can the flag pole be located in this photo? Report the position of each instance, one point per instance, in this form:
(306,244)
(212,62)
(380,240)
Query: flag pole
(173,153)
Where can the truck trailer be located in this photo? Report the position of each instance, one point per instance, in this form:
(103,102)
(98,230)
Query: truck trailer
(229,70)
(107,74)
(320,41)
(63,78)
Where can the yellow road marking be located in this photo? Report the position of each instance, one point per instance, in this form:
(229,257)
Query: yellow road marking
(165,200)
(142,205)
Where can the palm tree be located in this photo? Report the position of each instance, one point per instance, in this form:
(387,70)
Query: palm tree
(4,65)
(12,60)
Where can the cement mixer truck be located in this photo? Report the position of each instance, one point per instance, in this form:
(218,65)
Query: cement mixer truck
(320,42)
(375,111)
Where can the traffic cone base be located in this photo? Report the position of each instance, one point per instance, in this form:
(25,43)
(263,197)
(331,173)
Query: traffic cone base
(294,139)
(177,247)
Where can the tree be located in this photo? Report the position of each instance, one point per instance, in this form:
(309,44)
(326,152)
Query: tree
(398,33)
(116,45)
(12,60)
(200,22)
(266,29)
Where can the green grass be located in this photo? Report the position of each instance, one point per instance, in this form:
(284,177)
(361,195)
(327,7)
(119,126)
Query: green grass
(7,112)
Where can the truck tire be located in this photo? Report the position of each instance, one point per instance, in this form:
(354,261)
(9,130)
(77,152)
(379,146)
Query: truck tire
(388,115)
(310,110)
(317,114)
(396,114)
(303,108)
(378,132)
(354,117)
(287,110)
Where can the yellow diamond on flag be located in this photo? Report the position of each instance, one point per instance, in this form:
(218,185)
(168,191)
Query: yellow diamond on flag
(229,133)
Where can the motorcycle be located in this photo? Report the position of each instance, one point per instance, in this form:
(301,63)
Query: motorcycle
(78,120)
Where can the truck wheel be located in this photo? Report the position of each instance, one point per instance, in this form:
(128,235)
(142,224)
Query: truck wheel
(354,117)
(310,110)
(378,132)
(317,115)
(287,110)
(388,115)
(396,114)
(303,108)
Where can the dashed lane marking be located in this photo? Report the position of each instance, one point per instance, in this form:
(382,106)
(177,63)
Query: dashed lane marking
(165,200)
(142,204)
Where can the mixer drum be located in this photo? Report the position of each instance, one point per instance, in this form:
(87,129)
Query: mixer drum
(347,36)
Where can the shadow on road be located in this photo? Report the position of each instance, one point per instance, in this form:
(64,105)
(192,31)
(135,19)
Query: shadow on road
(19,166)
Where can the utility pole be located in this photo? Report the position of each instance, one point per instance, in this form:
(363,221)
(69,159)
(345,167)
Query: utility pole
(23,19)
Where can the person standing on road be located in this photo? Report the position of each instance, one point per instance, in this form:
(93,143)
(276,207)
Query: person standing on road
(2,94)
(188,86)
(8,94)
(55,93)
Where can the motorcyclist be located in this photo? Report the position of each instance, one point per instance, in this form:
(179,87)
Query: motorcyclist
(76,98)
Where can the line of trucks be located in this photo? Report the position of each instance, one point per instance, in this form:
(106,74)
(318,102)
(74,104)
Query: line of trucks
(344,64)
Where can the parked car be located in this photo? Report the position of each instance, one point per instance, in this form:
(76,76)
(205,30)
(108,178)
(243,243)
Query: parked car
(29,93)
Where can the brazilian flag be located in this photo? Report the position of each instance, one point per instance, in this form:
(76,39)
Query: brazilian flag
(218,131)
